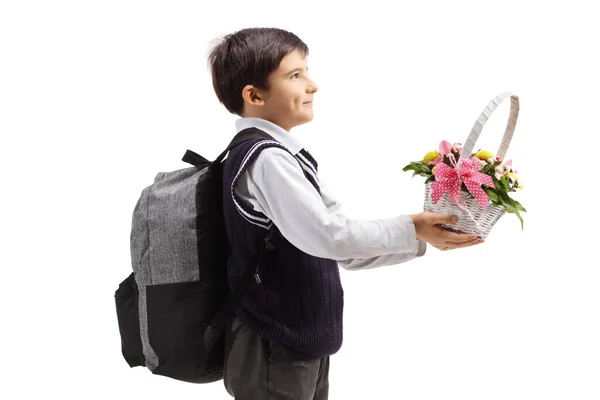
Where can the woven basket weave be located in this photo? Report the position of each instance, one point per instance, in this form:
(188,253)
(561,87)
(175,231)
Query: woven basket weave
(475,219)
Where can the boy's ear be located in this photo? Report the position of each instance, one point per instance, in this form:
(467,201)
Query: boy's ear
(253,96)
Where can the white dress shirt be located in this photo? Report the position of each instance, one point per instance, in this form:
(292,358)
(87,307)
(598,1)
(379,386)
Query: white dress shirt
(275,185)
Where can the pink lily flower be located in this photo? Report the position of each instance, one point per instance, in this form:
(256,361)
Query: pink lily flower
(436,161)
(445,149)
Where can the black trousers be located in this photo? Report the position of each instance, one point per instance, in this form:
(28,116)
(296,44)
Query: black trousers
(260,369)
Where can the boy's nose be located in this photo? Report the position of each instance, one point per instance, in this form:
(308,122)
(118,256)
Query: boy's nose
(312,88)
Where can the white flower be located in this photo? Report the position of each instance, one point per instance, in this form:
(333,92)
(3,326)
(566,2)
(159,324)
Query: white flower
(491,160)
(482,163)
(498,176)
(519,183)
(499,169)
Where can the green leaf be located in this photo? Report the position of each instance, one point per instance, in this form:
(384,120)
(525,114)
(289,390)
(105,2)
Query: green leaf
(497,183)
(516,212)
(418,168)
(510,206)
(410,166)
(491,194)
(519,206)
(504,183)
(506,198)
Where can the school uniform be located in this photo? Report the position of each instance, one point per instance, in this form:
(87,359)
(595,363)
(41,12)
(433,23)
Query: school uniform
(289,321)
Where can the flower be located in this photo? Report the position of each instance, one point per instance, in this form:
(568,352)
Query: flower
(475,177)
(432,155)
(483,154)
(509,163)
(515,180)
(445,147)
(519,183)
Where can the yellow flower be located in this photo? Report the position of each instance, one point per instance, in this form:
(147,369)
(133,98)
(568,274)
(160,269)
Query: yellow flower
(484,155)
(432,155)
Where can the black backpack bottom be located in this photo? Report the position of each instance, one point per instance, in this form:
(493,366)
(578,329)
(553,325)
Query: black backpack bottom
(176,330)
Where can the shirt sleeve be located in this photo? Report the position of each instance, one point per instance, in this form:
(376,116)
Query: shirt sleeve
(282,192)
(354,264)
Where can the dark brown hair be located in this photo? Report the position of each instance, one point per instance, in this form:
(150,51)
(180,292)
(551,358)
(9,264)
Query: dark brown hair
(247,57)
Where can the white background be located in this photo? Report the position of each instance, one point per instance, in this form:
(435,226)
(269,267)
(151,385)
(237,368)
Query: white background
(97,97)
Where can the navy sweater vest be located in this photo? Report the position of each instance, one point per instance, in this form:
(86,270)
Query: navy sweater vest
(299,300)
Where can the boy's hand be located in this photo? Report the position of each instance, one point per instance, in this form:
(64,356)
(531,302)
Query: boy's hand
(428,228)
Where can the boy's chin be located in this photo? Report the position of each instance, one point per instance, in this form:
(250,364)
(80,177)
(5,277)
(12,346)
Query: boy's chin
(304,121)
(308,117)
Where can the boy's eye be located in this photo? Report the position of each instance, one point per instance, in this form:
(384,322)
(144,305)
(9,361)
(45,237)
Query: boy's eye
(296,74)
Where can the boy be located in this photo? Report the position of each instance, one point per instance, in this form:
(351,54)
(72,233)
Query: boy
(290,321)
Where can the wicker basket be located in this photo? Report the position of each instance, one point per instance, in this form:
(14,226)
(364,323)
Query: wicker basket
(475,219)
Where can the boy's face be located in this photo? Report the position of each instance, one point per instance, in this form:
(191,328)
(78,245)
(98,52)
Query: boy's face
(289,101)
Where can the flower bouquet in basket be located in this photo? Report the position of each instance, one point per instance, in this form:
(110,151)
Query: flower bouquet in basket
(475,186)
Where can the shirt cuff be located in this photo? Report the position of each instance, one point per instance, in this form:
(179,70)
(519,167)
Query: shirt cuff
(422,247)
(412,235)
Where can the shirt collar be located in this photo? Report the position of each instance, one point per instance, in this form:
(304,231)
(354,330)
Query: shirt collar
(277,132)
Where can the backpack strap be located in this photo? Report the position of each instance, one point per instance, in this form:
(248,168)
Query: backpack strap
(272,241)
(242,136)
(213,331)
(197,160)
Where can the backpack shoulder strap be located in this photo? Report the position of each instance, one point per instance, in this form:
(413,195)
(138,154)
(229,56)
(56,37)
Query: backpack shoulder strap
(247,134)
(242,136)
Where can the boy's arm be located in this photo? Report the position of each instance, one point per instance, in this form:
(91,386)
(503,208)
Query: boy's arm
(283,194)
(333,205)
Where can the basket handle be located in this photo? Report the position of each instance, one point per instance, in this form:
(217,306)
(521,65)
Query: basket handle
(483,118)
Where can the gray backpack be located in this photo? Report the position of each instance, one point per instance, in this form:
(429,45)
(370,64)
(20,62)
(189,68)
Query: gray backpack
(172,308)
